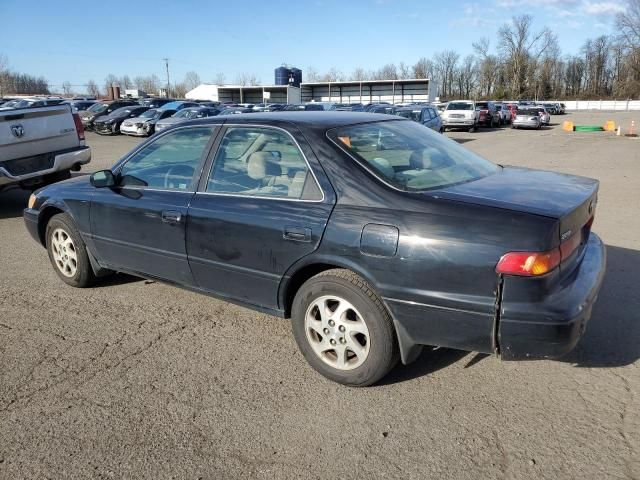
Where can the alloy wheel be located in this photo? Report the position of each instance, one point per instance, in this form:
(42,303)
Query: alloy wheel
(337,333)
(64,252)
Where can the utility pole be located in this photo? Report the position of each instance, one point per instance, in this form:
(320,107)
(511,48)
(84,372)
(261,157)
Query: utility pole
(166,64)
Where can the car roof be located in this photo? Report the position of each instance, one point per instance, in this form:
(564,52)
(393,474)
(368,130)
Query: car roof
(309,119)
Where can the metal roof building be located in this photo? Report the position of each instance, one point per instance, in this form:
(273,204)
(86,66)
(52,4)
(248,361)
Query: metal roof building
(370,91)
(245,94)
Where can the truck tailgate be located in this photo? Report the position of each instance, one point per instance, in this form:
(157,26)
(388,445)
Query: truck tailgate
(33,131)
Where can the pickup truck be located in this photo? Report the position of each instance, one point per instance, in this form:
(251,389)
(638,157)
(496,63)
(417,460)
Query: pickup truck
(39,146)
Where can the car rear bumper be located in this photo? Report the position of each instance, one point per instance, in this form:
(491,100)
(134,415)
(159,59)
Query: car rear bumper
(548,328)
(520,123)
(552,327)
(458,122)
(16,171)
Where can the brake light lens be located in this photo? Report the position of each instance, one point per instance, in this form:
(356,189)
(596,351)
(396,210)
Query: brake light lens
(531,264)
(79,127)
(528,264)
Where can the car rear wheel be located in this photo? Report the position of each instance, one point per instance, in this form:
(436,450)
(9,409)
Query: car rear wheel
(343,329)
(68,253)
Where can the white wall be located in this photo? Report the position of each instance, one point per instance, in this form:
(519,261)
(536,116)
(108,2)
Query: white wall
(609,105)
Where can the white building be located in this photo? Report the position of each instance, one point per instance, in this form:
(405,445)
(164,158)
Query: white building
(245,94)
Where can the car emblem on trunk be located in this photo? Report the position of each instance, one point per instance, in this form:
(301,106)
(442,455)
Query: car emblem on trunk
(17,131)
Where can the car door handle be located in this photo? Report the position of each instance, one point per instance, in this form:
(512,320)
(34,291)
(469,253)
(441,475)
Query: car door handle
(297,234)
(171,216)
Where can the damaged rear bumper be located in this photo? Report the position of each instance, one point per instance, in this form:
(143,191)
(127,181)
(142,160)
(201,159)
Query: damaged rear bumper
(552,327)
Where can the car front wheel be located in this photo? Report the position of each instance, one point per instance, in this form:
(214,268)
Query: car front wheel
(67,252)
(343,329)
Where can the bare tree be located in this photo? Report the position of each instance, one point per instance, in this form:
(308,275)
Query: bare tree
(520,47)
(220,79)
(192,80)
(92,88)
(404,71)
(333,75)
(66,88)
(311,75)
(423,68)
(628,23)
(245,79)
(359,74)
(446,63)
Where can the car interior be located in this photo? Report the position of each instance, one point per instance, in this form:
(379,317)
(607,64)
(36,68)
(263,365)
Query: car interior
(260,162)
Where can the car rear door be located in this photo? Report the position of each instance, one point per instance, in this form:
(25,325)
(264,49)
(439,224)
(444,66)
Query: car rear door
(139,225)
(259,210)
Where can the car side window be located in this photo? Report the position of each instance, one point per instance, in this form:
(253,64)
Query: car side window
(261,162)
(169,163)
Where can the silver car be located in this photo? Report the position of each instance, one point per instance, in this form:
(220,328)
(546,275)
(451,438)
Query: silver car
(526,118)
(185,114)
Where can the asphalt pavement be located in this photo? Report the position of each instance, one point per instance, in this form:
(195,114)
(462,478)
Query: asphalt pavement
(136,379)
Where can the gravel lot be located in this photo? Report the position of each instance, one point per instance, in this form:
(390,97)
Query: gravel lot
(136,379)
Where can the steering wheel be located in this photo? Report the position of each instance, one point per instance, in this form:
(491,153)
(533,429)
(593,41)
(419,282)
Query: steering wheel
(175,174)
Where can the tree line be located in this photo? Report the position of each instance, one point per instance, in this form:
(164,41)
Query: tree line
(524,63)
(20,83)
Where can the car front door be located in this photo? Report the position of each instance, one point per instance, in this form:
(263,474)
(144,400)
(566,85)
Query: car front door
(260,210)
(139,225)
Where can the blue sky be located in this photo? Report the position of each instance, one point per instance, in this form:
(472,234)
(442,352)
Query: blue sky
(82,40)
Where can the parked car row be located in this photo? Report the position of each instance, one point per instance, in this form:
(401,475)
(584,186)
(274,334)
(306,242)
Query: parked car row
(470,114)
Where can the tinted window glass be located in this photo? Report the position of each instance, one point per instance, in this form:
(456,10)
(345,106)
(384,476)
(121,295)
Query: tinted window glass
(168,163)
(460,106)
(258,161)
(410,156)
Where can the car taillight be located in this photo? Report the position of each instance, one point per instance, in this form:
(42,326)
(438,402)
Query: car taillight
(531,264)
(528,264)
(79,127)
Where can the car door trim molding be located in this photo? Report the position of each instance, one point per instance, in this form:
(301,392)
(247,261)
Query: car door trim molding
(235,268)
(136,246)
(251,125)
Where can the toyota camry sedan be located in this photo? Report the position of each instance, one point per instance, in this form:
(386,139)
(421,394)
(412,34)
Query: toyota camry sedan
(372,233)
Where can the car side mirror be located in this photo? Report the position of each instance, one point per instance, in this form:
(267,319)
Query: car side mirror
(103,178)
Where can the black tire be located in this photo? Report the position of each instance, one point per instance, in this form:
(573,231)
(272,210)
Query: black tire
(383,352)
(83,275)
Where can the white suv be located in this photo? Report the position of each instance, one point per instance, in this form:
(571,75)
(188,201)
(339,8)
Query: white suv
(460,114)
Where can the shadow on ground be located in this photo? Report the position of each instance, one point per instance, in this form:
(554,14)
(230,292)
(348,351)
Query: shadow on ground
(13,202)
(612,338)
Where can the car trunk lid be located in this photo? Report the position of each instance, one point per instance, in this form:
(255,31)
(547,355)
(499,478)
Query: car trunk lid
(568,198)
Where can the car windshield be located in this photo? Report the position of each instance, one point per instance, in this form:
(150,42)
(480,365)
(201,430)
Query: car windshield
(410,114)
(460,106)
(528,111)
(98,107)
(152,113)
(410,156)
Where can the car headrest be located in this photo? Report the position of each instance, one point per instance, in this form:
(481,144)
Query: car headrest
(384,166)
(261,165)
(428,158)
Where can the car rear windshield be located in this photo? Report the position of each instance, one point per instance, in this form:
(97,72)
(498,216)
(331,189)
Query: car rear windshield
(460,106)
(527,111)
(410,114)
(410,156)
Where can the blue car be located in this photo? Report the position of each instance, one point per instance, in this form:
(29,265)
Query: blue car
(424,114)
(178,105)
(373,233)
